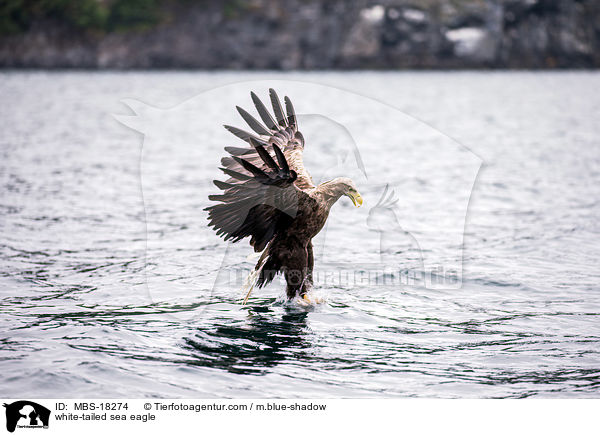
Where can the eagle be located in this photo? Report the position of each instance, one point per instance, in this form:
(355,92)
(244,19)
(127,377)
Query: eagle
(271,198)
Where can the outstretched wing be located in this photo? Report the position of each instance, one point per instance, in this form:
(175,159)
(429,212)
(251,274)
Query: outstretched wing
(280,130)
(259,199)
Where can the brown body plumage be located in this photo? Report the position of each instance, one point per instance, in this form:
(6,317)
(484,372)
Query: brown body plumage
(271,198)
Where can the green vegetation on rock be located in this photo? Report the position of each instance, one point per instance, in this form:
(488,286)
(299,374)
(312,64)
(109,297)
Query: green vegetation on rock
(17,16)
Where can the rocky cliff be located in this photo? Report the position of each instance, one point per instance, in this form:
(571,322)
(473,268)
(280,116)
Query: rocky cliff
(326,34)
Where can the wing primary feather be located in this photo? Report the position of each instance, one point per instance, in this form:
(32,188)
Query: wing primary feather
(277,107)
(236,151)
(252,122)
(251,168)
(236,175)
(291,113)
(243,135)
(263,112)
(222,185)
(281,159)
(262,152)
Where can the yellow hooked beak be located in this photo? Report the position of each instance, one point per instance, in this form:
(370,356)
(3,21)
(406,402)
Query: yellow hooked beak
(356,198)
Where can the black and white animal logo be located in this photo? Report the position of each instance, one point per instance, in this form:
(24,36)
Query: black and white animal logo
(26,414)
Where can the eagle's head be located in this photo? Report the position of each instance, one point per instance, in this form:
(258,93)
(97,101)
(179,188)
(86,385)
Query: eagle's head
(345,186)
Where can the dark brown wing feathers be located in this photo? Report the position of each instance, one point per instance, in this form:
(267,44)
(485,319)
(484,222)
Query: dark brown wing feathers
(267,157)
(263,112)
(277,108)
(291,114)
(252,122)
(280,158)
(259,199)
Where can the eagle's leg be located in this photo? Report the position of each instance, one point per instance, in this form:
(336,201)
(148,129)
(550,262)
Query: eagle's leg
(308,282)
(296,273)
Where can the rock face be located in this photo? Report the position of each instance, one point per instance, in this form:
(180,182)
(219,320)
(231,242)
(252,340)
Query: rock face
(329,34)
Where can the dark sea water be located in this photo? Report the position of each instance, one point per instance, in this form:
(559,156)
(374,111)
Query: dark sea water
(112,285)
